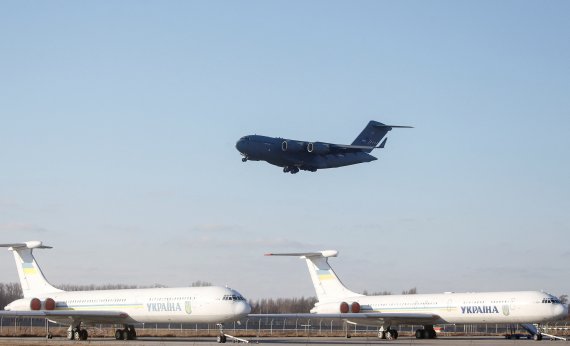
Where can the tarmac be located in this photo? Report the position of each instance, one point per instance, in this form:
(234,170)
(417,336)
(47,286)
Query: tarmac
(204,341)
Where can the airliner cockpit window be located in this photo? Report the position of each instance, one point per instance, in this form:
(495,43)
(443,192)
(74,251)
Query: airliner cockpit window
(233,297)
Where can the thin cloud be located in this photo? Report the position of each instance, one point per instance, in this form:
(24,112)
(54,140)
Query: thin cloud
(215,228)
(22,227)
(10,205)
(4,204)
(239,241)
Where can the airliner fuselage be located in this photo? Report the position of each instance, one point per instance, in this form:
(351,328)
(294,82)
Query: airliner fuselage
(452,308)
(386,311)
(210,304)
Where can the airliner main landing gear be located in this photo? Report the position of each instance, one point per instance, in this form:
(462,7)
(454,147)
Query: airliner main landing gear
(389,334)
(76,333)
(128,333)
(427,333)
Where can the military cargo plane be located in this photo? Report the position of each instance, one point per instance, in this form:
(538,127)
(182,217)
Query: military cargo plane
(294,155)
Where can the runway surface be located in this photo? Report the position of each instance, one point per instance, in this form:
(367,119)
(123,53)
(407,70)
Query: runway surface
(448,341)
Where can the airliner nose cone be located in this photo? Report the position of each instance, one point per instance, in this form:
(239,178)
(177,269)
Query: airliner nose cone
(242,308)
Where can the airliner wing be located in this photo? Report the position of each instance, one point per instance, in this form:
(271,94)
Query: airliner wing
(393,317)
(85,316)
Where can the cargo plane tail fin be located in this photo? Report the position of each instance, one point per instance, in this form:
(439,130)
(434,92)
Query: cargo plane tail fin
(373,134)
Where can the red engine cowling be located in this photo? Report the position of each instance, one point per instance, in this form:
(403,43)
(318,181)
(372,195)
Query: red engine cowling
(344,308)
(49,304)
(355,307)
(35,304)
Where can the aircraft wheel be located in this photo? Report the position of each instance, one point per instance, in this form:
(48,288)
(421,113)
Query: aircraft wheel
(118,334)
(394,333)
(389,335)
(77,334)
(285,169)
(537,337)
(49,336)
(243,159)
(83,334)
(420,334)
(70,334)
(430,334)
(221,339)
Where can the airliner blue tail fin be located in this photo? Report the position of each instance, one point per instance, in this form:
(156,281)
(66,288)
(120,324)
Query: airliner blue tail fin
(33,281)
(327,284)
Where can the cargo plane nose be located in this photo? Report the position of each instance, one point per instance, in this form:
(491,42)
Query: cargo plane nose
(241,146)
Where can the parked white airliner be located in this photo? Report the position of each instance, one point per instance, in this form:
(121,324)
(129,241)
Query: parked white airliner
(126,307)
(387,311)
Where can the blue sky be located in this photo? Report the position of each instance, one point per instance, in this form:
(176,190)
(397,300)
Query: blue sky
(119,121)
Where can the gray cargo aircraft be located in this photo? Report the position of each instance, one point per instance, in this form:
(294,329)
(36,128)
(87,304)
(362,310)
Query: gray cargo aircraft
(294,155)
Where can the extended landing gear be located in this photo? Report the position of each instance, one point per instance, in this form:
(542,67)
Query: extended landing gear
(291,170)
(244,159)
(390,334)
(427,333)
(128,333)
(75,333)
